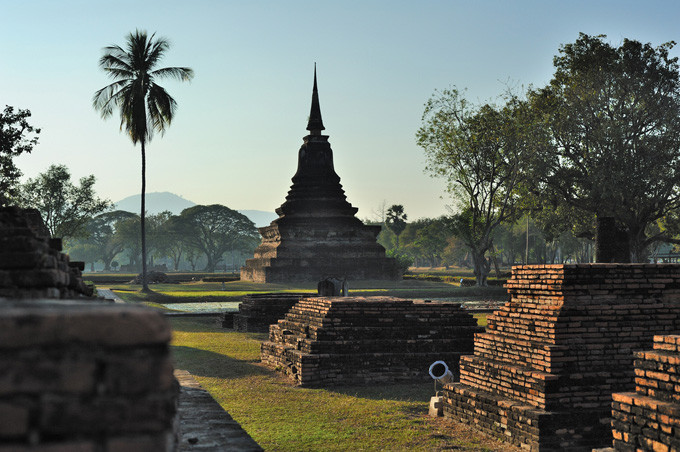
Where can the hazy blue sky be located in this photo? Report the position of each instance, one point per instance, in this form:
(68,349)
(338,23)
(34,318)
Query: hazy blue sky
(241,121)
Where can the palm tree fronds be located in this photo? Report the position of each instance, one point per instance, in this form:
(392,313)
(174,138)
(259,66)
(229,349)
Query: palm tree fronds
(183,74)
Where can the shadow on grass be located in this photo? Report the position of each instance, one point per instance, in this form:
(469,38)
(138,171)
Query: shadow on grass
(402,392)
(204,363)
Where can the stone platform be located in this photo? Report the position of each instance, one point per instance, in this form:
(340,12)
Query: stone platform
(85,376)
(257,311)
(367,340)
(649,418)
(31,262)
(543,373)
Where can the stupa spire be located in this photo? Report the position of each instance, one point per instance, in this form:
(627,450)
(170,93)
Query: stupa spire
(315,124)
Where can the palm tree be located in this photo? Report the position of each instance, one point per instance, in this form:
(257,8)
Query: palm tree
(145,107)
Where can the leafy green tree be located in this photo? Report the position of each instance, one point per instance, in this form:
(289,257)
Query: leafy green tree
(85,252)
(455,253)
(101,235)
(168,237)
(613,120)
(216,229)
(16,137)
(481,152)
(65,208)
(395,219)
(431,241)
(145,107)
(127,233)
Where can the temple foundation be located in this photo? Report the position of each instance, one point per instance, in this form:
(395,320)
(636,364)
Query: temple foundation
(543,374)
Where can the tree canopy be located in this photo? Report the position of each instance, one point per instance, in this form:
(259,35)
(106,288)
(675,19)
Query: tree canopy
(480,151)
(65,208)
(101,238)
(395,219)
(216,229)
(612,117)
(17,136)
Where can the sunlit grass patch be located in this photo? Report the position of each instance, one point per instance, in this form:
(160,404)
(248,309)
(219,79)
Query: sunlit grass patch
(283,417)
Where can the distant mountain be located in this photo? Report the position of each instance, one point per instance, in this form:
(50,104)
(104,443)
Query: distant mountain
(158,202)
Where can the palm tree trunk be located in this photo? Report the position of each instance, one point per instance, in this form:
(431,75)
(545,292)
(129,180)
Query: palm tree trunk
(145,284)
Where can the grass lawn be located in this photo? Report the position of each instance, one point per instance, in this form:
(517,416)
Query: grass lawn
(192,292)
(282,417)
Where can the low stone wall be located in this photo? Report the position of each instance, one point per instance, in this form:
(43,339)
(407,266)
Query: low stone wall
(31,263)
(257,311)
(649,418)
(90,376)
(366,340)
(543,373)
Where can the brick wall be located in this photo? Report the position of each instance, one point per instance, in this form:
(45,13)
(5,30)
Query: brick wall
(88,376)
(649,418)
(257,311)
(543,373)
(31,263)
(358,340)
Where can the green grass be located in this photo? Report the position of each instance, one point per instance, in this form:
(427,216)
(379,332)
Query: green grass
(481,319)
(193,292)
(282,417)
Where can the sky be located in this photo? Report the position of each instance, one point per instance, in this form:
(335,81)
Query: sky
(240,122)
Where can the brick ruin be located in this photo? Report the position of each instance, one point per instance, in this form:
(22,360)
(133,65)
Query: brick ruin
(367,340)
(31,262)
(257,311)
(317,234)
(76,373)
(649,418)
(543,373)
(85,376)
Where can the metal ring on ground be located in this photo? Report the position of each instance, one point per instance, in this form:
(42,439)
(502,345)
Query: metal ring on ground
(446,370)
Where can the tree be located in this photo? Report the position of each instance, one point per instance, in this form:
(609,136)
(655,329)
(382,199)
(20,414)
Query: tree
(85,252)
(16,137)
(613,119)
(395,219)
(65,208)
(480,152)
(101,234)
(216,229)
(145,107)
(432,240)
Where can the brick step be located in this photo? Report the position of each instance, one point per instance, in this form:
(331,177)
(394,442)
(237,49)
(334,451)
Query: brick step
(657,375)
(524,425)
(541,356)
(351,368)
(359,333)
(520,383)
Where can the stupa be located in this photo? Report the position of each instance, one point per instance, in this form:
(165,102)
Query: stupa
(317,234)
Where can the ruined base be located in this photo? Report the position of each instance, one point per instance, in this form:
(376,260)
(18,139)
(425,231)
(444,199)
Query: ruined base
(525,425)
(85,376)
(367,340)
(649,418)
(543,373)
(257,311)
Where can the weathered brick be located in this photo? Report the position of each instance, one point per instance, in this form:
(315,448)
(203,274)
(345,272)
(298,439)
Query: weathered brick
(13,420)
(139,443)
(104,324)
(563,344)
(359,340)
